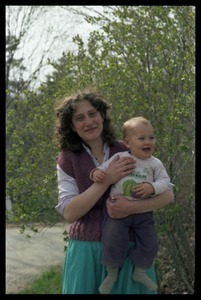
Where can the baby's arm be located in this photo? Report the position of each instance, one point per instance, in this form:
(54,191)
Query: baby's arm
(144,190)
(161,182)
(98,175)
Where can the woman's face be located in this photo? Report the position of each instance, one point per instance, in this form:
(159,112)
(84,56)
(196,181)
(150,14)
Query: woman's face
(87,121)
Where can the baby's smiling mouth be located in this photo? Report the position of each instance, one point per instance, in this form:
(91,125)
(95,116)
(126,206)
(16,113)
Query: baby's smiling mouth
(147,149)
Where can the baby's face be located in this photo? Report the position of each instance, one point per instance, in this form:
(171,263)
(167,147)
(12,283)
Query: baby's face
(141,141)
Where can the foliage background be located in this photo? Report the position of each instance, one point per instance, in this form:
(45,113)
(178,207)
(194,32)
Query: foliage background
(142,58)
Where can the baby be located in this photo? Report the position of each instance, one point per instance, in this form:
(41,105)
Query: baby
(149,178)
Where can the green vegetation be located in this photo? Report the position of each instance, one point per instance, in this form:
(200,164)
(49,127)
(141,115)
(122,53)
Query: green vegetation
(50,282)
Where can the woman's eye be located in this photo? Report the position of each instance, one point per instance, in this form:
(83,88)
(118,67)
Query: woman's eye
(80,118)
(92,114)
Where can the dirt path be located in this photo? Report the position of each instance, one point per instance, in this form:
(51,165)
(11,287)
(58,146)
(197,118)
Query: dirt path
(27,258)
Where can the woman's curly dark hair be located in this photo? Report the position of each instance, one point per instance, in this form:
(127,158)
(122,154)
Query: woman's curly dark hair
(65,137)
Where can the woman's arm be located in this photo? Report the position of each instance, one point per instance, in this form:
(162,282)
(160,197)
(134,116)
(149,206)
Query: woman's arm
(80,204)
(122,207)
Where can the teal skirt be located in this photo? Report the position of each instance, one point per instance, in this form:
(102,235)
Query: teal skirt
(83,272)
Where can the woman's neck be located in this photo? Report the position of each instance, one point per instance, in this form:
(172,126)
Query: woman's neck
(97,149)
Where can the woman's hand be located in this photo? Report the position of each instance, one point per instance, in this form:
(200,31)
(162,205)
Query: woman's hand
(119,168)
(117,206)
(121,207)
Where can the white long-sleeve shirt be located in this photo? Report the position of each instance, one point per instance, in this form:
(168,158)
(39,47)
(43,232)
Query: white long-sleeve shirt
(149,170)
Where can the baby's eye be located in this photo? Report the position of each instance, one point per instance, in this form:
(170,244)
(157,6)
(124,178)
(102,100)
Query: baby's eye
(141,138)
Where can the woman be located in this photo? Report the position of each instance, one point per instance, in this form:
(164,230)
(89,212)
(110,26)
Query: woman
(86,139)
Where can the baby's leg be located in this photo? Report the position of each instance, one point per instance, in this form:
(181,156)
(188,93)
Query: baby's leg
(108,283)
(140,276)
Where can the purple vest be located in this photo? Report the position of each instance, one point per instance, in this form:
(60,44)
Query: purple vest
(79,166)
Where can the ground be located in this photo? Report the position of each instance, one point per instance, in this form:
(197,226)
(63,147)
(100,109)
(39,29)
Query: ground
(28,257)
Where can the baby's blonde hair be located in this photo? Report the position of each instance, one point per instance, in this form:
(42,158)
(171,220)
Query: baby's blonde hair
(134,122)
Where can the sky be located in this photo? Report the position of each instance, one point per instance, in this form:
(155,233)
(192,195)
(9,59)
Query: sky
(58,25)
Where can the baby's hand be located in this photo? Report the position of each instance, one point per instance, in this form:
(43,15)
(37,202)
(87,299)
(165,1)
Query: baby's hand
(144,190)
(99,175)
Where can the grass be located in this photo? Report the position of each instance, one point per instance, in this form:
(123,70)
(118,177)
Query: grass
(50,282)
